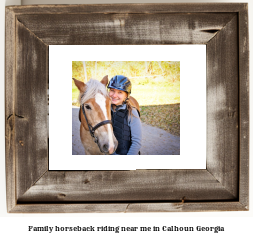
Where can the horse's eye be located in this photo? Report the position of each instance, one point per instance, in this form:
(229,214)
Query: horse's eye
(88,107)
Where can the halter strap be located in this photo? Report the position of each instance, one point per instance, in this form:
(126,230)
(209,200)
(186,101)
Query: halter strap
(92,129)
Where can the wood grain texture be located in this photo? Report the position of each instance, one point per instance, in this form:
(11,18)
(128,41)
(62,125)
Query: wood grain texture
(153,8)
(186,207)
(223,186)
(9,109)
(132,29)
(30,108)
(143,185)
(223,107)
(129,207)
(244,105)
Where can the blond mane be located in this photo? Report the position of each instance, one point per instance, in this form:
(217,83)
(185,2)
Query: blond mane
(92,88)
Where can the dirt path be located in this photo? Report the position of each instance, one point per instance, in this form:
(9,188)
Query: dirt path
(155,141)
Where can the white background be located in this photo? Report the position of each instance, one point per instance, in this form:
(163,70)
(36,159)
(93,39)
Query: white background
(192,122)
(237,224)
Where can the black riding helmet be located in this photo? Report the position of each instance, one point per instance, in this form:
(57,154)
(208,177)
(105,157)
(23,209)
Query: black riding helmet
(120,82)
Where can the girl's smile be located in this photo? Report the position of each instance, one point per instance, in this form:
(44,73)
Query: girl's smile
(117,96)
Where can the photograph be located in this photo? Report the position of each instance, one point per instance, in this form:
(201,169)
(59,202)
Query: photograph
(126,107)
(114,106)
(124,104)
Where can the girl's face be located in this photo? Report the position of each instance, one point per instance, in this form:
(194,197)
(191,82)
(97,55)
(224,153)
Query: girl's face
(117,96)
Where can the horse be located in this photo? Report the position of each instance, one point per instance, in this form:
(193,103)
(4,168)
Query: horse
(96,130)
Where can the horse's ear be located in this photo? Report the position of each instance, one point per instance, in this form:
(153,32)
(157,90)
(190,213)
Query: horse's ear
(80,85)
(104,80)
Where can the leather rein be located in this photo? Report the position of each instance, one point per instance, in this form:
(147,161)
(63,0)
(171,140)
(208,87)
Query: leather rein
(91,128)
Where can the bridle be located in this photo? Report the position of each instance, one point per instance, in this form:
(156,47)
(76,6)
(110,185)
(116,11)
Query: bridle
(91,128)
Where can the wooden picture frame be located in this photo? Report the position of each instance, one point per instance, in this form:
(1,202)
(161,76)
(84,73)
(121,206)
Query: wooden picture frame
(222,186)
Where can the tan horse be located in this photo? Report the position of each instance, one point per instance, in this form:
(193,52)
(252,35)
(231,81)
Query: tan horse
(95,116)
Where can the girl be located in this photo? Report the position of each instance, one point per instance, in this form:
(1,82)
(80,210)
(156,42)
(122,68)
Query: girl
(125,117)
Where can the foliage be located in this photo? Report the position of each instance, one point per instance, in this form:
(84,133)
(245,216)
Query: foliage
(156,93)
(169,71)
(155,85)
(77,70)
(166,117)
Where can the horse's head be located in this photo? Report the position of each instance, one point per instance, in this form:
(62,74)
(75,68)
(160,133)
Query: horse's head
(96,106)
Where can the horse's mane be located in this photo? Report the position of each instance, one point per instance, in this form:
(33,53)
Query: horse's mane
(93,87)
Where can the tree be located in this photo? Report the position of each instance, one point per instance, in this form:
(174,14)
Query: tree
(85,72)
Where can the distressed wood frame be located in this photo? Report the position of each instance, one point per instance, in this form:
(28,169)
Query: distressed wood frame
(223,186)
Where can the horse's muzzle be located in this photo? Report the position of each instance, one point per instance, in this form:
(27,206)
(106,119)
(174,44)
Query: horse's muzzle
(106,149)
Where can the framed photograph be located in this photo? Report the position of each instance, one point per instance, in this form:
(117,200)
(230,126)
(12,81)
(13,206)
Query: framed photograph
(160,96)
(209,42)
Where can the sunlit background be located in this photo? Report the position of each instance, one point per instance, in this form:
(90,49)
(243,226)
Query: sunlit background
(155,85)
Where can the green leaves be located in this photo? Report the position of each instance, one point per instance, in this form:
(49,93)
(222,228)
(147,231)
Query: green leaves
(137,71)
(77,70)
(155,85)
